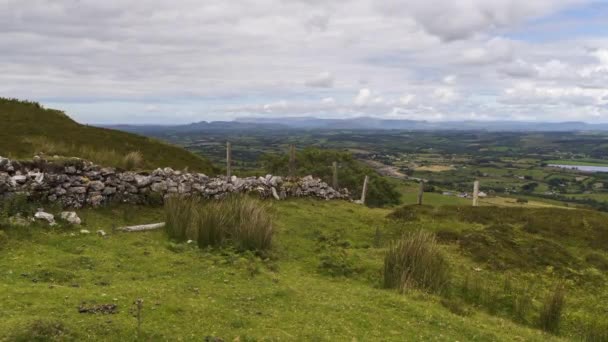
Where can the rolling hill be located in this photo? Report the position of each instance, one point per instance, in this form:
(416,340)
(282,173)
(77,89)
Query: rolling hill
(28,128)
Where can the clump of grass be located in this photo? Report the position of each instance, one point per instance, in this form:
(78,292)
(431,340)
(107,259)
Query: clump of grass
(240,221)
(44,330)
(181,217)
(551,311)
(596,330)
(416,261)
(133,160)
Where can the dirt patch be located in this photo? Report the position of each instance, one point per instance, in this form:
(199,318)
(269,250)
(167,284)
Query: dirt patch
(98,308)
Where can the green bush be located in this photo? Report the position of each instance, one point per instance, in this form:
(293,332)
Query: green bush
(17,204)
(551,311)
(416,261)
(240,221)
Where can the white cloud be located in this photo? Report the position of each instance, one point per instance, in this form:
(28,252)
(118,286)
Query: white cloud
(322,80)
(407,99)
(328,100)
(159,61)
(363,97)
(445,94)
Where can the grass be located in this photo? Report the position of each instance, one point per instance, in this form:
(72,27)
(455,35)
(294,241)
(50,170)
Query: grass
(416,262)
(287,298)
(553,306)
(238,220)
(35,129)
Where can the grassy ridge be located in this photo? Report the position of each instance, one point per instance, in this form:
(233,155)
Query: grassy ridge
(30,129)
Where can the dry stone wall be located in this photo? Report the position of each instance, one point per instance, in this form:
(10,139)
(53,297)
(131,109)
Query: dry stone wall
(76,183)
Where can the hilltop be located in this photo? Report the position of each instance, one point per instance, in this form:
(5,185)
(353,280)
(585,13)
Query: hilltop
(29,128)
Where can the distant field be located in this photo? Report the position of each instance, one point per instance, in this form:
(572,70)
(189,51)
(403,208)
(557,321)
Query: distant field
(587,162)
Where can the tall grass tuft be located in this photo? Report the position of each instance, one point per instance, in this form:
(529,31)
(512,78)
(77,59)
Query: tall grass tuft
(415,261)
(133,160)
(238,220)
(181,217)
(551,311)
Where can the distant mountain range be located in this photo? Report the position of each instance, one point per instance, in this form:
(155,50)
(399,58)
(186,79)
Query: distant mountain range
(362,123)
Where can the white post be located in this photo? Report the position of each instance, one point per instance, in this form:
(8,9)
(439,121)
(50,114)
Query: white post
(228,160)
(420,192)
(334,184)
(364,192)
(475,193)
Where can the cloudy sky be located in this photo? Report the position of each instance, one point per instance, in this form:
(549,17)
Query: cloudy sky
(179,61)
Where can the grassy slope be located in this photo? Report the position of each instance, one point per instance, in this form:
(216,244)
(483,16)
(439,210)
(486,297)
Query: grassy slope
(32,129)
(192,293)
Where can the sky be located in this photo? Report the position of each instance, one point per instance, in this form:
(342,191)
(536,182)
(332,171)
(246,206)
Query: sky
(182,61)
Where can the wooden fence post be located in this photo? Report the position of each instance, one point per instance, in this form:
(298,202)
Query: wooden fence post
(334,179)
(364,192)
(292,160)
(475,193)
(420,192)
(228,160)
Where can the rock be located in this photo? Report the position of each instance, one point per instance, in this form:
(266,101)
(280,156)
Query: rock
(96,185)
(71,217)
(101,233)
(275,194)
(19,179)
(84,231)
(142,181)
(77,190)
(43,216)
(18,220)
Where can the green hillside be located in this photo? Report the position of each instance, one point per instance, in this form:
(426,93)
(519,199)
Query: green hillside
(28,128)
(322,280)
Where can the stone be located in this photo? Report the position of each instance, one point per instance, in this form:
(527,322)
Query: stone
(275,194)
(101,233)
(19,179)
(96,185)
(142,181)
(71,217)
(44,216)
(84,231)
(77,190)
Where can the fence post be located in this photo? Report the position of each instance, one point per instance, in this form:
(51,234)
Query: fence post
(292,160)
(420,192)
(364,192)
(475,193)
(228,160)
(334,166)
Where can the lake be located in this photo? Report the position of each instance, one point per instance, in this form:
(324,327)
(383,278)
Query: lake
(584,168)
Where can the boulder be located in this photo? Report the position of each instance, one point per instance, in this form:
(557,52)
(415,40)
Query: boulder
(44,216)
(71,217)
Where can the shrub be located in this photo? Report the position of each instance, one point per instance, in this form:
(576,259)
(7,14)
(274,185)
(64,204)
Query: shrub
(132,160)
(415,261)
(237,220)
(551,311)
